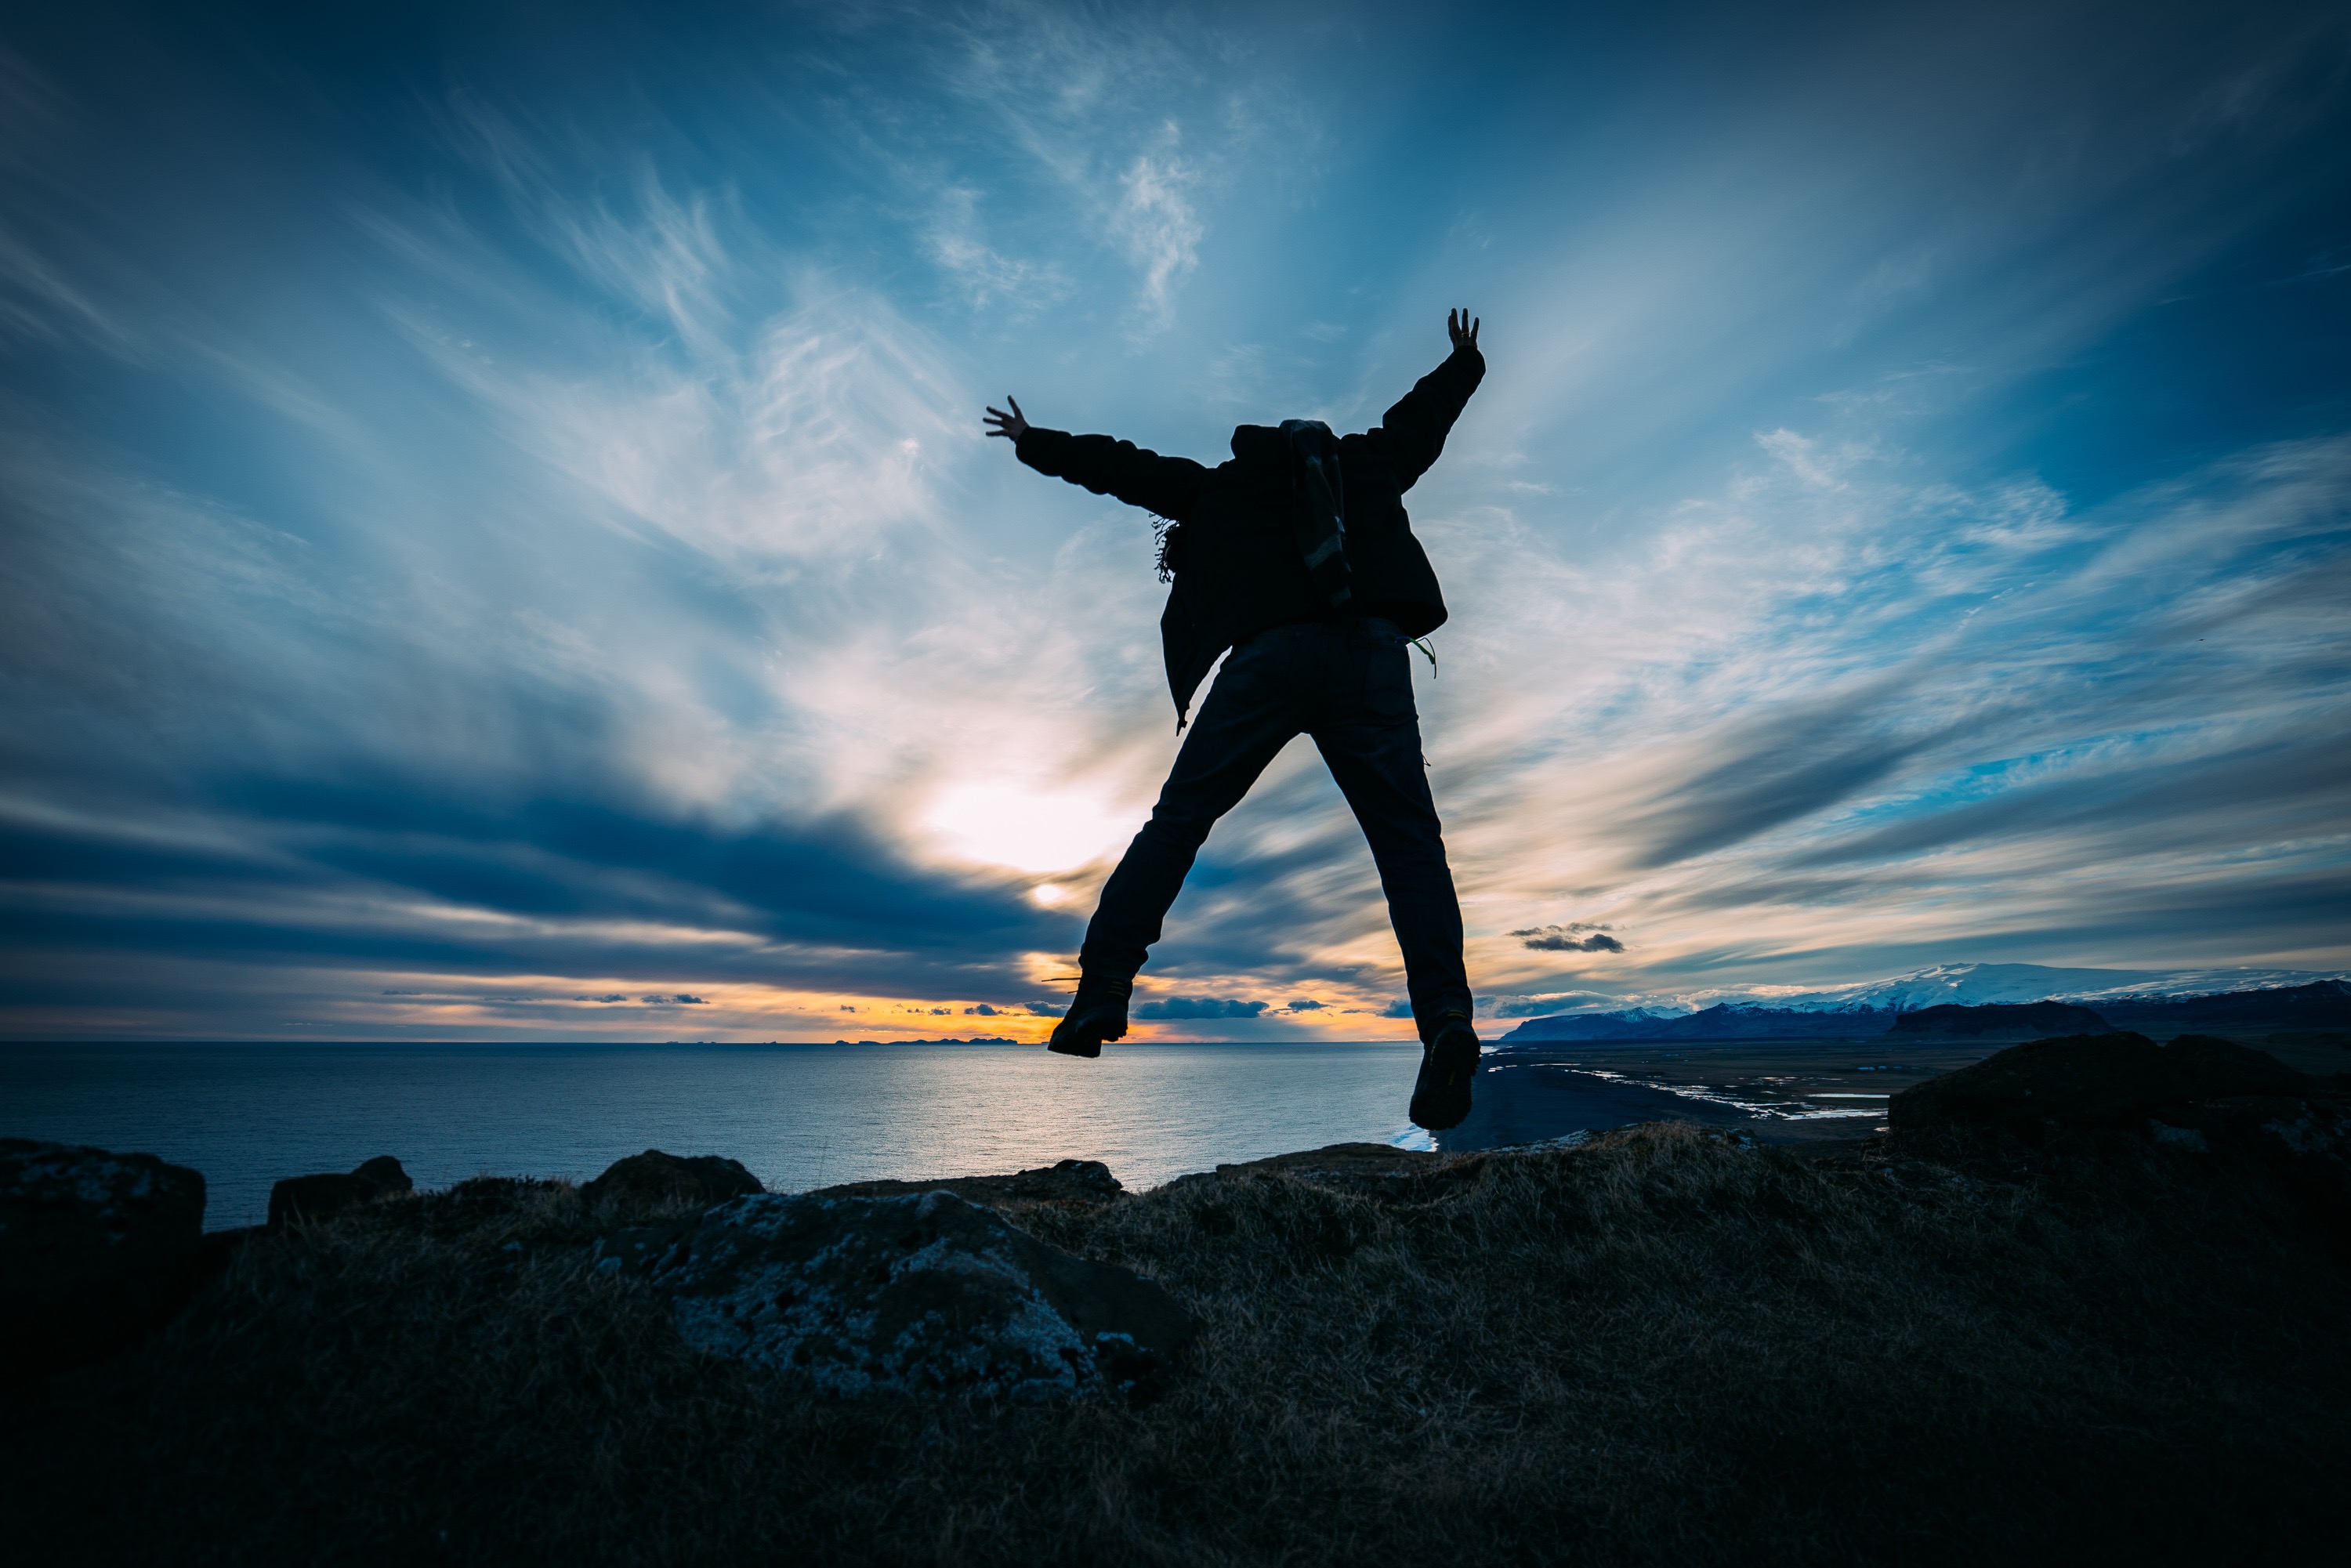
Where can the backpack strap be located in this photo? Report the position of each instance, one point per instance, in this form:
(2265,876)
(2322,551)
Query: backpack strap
(1319,508)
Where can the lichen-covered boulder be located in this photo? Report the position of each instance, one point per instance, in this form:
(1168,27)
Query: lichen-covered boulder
(654,1177)
(639,1250)
(97,1249)
(924,1294)
(2306,1138)
(2307,1129)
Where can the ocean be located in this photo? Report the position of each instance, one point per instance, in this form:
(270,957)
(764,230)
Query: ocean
(802,1116)
(799,1115)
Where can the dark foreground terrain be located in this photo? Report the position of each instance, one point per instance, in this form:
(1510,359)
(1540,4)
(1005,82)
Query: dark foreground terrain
(1663,1346)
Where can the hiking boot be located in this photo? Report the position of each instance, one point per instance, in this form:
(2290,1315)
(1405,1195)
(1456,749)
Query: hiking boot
(1441,1097)
(1097,1013)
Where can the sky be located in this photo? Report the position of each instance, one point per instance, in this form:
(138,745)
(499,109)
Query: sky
(499,540)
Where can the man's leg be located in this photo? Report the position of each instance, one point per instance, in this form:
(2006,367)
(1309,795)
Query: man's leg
(1372,743)
(1369,732)
(1249,715)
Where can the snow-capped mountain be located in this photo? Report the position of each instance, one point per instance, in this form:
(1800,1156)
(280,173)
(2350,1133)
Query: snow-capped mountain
(1963,983)
(1972,984)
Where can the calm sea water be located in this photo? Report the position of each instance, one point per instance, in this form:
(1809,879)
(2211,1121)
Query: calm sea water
(797,1115)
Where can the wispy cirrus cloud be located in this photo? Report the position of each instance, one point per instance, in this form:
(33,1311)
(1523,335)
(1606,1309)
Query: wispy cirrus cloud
(2070,694)
(955,242)
(1159,225)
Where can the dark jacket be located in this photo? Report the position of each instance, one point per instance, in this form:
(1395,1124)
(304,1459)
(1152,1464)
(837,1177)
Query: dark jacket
(1235,549)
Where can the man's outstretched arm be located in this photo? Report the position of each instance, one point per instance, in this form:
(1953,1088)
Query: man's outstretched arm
(1164,486)
(1414,431)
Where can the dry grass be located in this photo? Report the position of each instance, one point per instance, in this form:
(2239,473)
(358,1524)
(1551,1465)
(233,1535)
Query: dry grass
(1662,1347)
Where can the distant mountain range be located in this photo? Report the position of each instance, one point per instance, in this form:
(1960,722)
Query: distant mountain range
(2178,999)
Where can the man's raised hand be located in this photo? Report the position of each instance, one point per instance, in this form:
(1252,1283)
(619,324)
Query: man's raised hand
(1461,329)
(1011,427)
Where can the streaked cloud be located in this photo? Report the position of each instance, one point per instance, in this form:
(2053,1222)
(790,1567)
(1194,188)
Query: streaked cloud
(516,554)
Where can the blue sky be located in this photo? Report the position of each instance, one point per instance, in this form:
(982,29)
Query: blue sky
(499,540)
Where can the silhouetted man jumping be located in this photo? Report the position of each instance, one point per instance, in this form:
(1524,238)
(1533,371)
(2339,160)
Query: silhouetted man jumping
(1298,557)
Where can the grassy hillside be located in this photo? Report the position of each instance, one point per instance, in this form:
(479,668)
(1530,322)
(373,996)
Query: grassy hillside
(1660,1347)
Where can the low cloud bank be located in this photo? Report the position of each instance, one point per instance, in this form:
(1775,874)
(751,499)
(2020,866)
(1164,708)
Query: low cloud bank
(1199,1008)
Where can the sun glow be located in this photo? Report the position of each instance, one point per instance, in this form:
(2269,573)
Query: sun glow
(1027,829)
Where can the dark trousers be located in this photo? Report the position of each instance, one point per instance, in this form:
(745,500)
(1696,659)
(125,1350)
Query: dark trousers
(1348,683)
